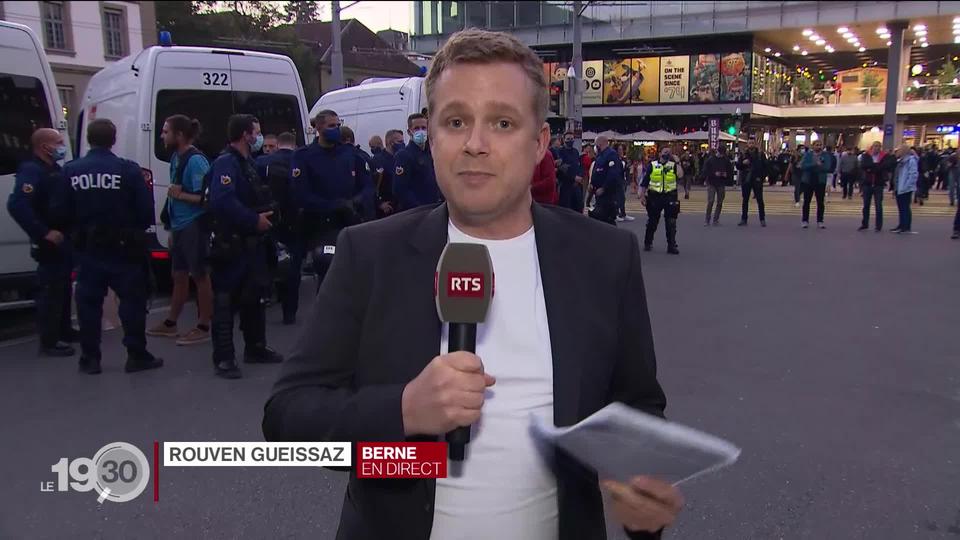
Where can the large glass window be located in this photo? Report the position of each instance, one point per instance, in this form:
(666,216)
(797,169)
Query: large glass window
(501,15)
(277,113)
(23,110)
(54,25)
(528,13)
(475,14)
(451,17)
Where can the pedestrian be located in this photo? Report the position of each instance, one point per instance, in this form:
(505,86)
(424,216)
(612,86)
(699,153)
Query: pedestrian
(373,364)
(324,181)
(110,207)
(796,175)
(689,171)
(849,172)
(873,164)
(384,166)
(570,175)
(189,231)
(659,195)
(38,188)
(269,144)
(815,165)
(586,167)
(376,145)
(276,170)
(622,193)
(929,163)
(718,171)
(906,178)
(363,185)
(241,205)
(414,180)
(543,185)
(753,166)
(953,179)
(606,180)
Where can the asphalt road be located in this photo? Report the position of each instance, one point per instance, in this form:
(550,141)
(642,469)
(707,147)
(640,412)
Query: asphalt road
(831,357)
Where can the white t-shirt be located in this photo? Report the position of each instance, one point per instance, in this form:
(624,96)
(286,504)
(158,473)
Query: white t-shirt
(507,489)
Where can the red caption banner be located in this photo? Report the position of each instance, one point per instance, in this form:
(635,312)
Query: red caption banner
(402,460)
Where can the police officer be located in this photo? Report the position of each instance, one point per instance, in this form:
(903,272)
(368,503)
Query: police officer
(240,252)
(659,194)
(325,178)
(275,169)
(39,186)
(364,185)
(111,208)
(570,175)
(384,166)
(607,181)
(414,181)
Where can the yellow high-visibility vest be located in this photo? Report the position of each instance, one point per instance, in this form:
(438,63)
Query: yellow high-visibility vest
(660,182)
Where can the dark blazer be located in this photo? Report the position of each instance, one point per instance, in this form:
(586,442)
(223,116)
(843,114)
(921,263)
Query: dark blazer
(374,327)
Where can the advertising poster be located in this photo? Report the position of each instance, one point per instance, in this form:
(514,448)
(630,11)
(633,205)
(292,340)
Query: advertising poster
(644,86)
(674,79)
(704,78)
(593,82)
(548,68)
(735,77)
(616,82)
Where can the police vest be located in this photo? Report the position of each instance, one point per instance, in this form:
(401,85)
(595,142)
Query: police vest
(660,182)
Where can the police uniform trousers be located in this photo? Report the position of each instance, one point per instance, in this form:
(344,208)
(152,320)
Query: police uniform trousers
(291,276)
(53,298)
(571,196)
(668,204)
(240,285)
(96,271)
(606,208)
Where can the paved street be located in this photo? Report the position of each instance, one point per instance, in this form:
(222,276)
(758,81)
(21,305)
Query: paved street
(830,357)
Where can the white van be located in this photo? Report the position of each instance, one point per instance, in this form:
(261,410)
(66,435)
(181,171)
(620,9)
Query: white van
(139,92)
(375,105)
(28,101)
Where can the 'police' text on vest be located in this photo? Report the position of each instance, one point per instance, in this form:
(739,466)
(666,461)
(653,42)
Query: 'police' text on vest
(95,181)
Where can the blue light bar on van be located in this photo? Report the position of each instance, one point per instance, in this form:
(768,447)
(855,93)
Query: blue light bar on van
(166,39)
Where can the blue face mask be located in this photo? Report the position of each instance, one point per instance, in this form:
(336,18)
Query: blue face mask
(420,137)
(397,147)
(60,152)
(569,144)
(332,135)
(257,144)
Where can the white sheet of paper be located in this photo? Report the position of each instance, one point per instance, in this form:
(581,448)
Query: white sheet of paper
(621,442)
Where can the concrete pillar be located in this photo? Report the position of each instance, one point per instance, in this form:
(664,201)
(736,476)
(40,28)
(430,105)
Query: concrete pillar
(892,134)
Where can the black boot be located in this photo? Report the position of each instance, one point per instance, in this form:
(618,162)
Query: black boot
(261,354)
(227,369)
(141,361)
(90,366)
(672,236)
(58,349)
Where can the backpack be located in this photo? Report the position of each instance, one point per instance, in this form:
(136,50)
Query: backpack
(178,180)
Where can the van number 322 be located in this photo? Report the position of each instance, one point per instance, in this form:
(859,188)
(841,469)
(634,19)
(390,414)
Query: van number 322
(215,79)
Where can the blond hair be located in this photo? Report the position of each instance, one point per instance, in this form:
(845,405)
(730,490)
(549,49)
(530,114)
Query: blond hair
(474,46)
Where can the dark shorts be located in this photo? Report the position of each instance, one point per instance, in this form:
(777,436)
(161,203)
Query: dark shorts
(189,248)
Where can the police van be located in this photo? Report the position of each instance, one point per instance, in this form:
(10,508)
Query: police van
(139,92)
(375,105)
(28,101)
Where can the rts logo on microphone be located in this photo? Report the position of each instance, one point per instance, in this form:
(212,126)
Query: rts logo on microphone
(465,284)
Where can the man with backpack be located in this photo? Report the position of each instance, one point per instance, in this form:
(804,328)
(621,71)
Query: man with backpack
(184,216)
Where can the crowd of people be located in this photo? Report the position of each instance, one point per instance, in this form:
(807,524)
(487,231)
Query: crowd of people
(228,219)
(908,173)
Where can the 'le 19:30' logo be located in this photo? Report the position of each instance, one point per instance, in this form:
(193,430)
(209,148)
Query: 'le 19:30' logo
(118,472)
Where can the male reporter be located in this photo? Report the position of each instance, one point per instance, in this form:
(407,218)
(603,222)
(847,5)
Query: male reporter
(369,366)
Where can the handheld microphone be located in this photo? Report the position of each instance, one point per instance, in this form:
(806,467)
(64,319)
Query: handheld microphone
(463,288)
